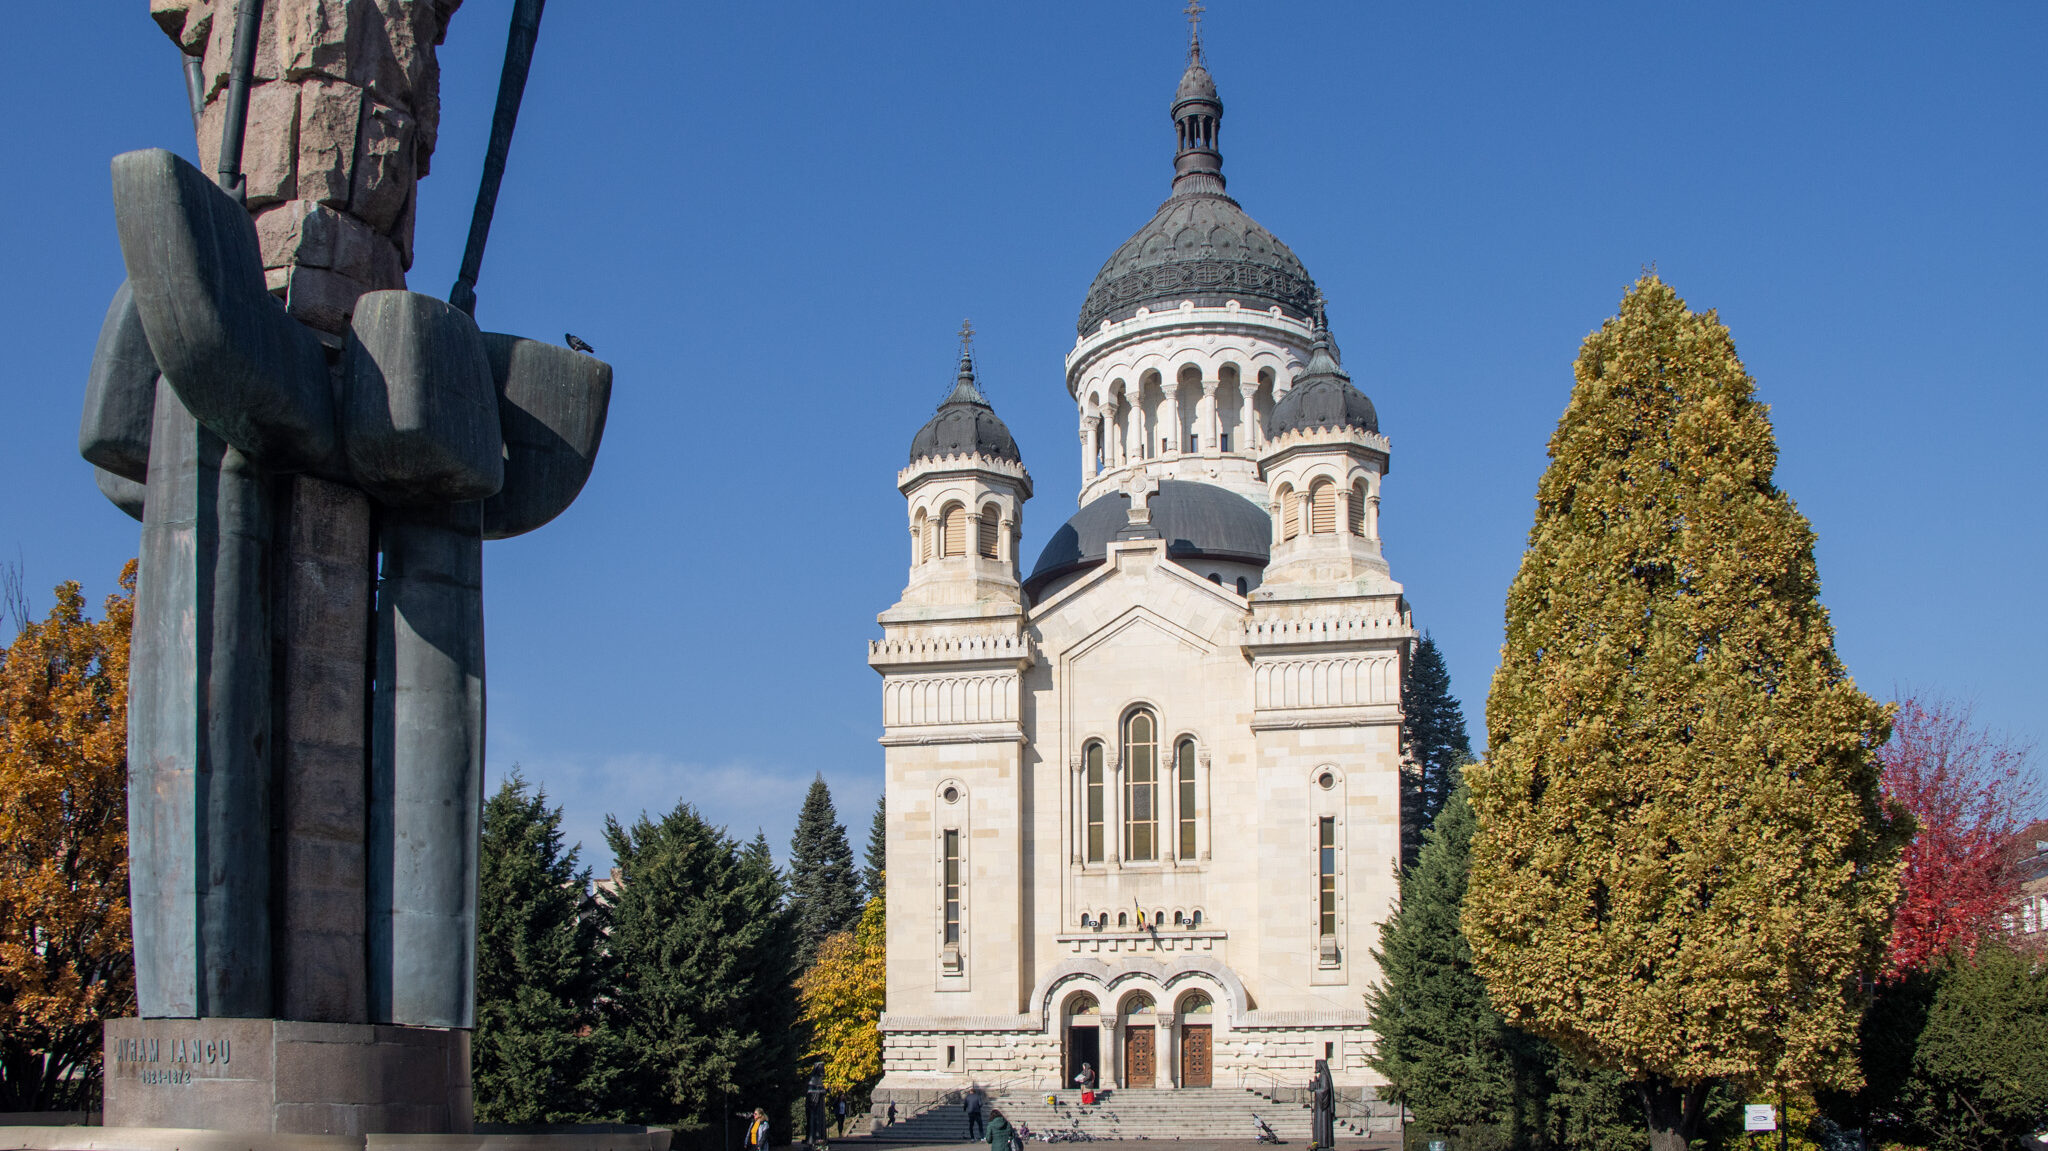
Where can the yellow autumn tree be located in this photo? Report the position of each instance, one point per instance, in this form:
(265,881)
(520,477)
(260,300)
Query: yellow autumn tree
(1684,869)
(842,1004)
(66,962)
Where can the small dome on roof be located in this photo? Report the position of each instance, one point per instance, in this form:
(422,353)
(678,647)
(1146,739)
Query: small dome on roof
(1195,84)
(1322,396)
(965,425)
(1196,520)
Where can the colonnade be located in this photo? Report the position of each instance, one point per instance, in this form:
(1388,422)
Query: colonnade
(1122,432)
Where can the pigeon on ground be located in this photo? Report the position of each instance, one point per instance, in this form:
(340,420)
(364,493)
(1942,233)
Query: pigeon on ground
(576,345)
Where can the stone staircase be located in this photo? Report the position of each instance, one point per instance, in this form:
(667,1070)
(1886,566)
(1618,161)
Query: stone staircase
(1189,1113)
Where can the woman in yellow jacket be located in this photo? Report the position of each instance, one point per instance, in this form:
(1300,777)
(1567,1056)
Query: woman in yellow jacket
(757,1131)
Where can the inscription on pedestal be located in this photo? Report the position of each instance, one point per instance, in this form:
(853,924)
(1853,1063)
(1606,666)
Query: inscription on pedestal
(284,1076)
(158,1061)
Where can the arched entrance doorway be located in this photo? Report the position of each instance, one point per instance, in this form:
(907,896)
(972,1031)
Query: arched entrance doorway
(1141,1041)
(1197,1051)
(1082,1039)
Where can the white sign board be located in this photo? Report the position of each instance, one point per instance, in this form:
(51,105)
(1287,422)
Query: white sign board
(1759,1117)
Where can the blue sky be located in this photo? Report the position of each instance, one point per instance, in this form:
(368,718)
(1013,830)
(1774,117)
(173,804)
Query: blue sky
(771,220)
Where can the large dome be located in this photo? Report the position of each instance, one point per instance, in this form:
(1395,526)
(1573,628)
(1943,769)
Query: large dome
(1200,245)
(1198,521)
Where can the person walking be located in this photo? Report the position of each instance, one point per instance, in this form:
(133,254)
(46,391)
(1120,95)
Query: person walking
(892,1113)
(1001,1136)
(972,1105)
(757,1131)
(842,1116)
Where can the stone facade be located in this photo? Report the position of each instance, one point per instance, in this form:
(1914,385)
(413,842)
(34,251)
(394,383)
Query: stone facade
(1144,806)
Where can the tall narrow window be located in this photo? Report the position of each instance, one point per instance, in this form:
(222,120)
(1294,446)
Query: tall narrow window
(991,524)
(953,886)
(953,531)
(924,538)
(1184,756)
(1326,834)
(1322,513)
(1093,782)
(1141,787)
(1290,514)
(1355,519)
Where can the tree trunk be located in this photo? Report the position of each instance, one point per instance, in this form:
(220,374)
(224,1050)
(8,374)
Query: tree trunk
(1672,1110)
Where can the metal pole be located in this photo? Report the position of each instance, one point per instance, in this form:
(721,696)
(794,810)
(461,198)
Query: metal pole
(229,175)
(511,86)
(195,90)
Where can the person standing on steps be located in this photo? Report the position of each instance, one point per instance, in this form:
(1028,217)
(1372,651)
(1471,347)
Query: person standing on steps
(972,1105)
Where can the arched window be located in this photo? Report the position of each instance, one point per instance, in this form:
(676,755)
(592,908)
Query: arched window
(991,523)
(1243,586)
(1184,772)
(1123,919)
(1141,787)
(1092,782)
(1216,578)
(1322,513)
(1083,1004)
(1290,513)
(1195,920)
(922,538)
(1355,521)
(1196,1003)
(953,531)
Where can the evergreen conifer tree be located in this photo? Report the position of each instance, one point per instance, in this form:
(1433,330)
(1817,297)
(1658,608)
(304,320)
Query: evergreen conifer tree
(537,1055)
(878,852)
(1446,1053)
(702,998)
(1683,867)
(1433,730)
(824,890)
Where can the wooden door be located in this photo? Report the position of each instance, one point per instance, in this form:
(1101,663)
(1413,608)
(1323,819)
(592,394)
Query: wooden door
(1138,1061)
(1194,1055)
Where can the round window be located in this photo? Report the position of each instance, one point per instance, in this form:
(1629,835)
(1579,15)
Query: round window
(953,794)
(1326,781)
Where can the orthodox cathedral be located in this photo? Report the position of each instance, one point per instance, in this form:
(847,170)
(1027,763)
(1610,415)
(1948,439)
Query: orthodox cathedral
(1144,801)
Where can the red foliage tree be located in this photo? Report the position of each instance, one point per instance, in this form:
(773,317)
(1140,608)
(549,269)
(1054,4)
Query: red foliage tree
(1970,792)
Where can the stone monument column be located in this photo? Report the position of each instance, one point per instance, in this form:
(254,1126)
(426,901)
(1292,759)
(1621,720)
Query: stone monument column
(306,743)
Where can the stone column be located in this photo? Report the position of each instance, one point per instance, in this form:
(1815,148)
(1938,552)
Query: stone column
(1112,805)
(199,727)
(1113,443)
(1212,424)
(1372,517)
(426,768)
(1248,420)
(1344,509)
(1169,411)
(322,613)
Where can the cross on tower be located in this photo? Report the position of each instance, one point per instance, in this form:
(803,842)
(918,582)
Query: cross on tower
(966,338)
(1194,11)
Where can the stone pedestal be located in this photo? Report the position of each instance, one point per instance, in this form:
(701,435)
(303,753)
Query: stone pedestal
(287,1077)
